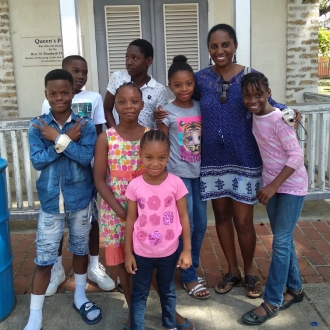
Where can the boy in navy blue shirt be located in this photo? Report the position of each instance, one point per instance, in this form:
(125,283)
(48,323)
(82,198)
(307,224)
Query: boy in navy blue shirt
(62,147)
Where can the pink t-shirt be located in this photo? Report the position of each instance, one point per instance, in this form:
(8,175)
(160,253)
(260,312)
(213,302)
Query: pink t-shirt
(157,228)
(278,147)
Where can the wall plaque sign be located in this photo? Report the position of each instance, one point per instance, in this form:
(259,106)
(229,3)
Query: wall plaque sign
(41,51)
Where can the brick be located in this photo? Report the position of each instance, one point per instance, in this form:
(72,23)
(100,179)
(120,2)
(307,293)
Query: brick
(303,243)
(322,226)
(263,266)
(207,246)
(21,284)
(262,230)
(315,257)
(311,233)
(267,241)
(313,279)
(260,251)
(305,268)
(322,246)
(213,277)
(27,268)
(303,224)
(298,232)
(324,272)
(209,261)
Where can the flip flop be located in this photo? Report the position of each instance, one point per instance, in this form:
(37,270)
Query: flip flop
(186,325)
(228,279)
(126,327)
(198,288)
(252,283)
(85,309)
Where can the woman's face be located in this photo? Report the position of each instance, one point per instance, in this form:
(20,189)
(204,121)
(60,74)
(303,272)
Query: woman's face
(222,48)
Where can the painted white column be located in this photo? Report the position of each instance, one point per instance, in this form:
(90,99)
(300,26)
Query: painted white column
(242,18)
(70,27)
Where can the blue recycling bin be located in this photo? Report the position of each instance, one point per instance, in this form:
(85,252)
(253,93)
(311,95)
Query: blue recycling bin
(7,294)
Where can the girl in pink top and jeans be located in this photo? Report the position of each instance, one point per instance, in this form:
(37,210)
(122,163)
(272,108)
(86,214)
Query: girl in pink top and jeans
(156,217)
(284,189)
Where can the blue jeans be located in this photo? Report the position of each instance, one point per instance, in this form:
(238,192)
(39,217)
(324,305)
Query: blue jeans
(141,285)
(198,224)
(283,212)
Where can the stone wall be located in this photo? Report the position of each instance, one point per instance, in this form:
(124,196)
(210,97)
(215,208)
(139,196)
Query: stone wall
(302,49)
(8,97)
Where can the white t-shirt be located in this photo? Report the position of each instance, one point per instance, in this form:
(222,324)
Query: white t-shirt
(85,103)
(154,94)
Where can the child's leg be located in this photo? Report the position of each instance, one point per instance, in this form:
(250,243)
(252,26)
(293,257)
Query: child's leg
(165,279)
(49,234)
(79,228)
(198,222)
(57,274)
(96,272)
(283,211)
(140,290)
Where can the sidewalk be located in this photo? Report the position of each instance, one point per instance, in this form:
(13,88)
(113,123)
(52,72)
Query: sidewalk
(219,312)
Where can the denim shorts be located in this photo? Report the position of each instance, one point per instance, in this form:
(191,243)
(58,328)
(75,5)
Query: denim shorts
(50,232)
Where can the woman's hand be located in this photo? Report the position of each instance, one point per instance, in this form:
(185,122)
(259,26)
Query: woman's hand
(160,114)
(130,263)
(184,261)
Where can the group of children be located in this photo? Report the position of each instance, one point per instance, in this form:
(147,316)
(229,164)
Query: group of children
(148,175)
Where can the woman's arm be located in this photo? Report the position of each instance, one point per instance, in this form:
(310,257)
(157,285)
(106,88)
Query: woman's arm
(100,175)
(185,258)
(130,262)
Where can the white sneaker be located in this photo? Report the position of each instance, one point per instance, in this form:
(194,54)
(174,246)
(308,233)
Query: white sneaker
(98,275)
(57,277)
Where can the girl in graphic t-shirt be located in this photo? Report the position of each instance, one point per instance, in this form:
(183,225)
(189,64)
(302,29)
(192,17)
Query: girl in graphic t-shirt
(183,126)
(156,217)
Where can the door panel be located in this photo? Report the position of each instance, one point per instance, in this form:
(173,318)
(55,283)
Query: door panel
(152,25)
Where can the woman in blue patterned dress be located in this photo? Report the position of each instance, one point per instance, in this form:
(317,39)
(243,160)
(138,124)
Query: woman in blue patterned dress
(231,164)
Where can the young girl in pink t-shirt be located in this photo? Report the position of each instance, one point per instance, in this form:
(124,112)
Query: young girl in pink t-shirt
(284,189)
(156,217)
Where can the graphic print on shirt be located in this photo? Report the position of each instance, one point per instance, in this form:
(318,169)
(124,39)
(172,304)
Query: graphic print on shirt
(189,135)
(82,109)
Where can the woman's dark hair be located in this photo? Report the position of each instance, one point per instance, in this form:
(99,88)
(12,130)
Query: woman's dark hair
(145,47)
(179,64)
(254,79)
(154,135)
(58,74)
(222,27)
(128,84)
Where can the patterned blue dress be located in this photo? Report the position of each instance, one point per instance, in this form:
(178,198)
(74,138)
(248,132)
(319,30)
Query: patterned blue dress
(231,165)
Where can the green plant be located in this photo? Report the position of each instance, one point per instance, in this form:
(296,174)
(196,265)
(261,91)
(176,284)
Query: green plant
(324,43)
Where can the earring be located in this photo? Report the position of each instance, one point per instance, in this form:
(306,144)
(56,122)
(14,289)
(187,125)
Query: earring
(210,62)
(234,60)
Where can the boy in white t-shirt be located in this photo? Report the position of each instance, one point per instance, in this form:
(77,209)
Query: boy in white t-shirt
(139,57)
(84,103)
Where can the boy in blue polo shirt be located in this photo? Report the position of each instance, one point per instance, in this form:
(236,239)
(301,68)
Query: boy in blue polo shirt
(62,147)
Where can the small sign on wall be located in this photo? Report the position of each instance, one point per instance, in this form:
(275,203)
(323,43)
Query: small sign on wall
(41,51)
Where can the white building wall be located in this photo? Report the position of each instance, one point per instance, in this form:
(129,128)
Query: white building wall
(37,18)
